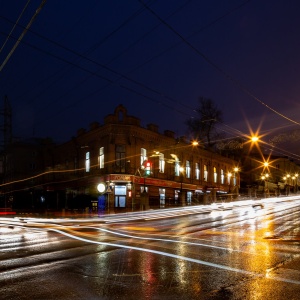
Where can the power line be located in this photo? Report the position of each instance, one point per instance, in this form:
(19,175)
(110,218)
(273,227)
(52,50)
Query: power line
(83,56)
(225,74)
(110,81)
(23,34)
(13,28)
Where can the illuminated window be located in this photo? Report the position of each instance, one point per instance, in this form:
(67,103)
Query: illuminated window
(161,163)
(222,177)
(120,196)
(177,192)
(120,158)
(205,173)
(101,157)
(87,161)
(143,155)
(177,168)
(189,198)
(187,169)
(229,177)
(144,188)
(197,171)
(162,197)
(215,175)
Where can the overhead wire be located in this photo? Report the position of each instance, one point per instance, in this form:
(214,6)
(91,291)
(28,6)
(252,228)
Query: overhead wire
(92,73)
(83,56)
(91,49)
(23,34)
(213,64)
(113,71)
(101,65)
(14,26)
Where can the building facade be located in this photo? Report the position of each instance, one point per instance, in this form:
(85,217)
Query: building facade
(140,167)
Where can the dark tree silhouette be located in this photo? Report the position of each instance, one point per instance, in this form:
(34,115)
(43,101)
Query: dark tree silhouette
(204,127)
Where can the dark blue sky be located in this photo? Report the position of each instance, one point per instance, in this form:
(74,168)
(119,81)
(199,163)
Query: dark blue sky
(80,59)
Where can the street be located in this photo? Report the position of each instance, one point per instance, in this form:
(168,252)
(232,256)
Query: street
(239,250)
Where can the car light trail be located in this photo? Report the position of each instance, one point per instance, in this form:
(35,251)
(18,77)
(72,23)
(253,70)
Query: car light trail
(168,240)
(197,261)
(45,226)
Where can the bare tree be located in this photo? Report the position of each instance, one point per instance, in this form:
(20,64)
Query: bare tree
(204,127)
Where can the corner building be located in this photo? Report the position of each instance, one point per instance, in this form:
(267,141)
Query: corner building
(140,167)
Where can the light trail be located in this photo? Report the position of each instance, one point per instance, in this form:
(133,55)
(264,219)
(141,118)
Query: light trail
(45,226)
(136,237)
(193,260)
(170,241)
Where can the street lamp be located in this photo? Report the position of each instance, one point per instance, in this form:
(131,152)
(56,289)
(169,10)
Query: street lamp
(229,175)
(266,188)
(181,170)
(263,179)
(285,185)
(267,176)
(296,183)
(288,184)
(295,179)
(236,180)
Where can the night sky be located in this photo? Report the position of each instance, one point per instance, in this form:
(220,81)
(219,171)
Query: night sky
(79,59)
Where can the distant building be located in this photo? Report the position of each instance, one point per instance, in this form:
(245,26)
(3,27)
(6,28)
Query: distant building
(22,173)
(262,173)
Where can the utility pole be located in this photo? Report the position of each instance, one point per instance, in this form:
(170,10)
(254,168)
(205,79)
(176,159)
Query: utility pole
(5,141)
(6,125)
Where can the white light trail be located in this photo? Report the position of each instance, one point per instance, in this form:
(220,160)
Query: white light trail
(197,261)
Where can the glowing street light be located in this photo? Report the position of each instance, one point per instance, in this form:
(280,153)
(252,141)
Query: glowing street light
(265,179)
(181,170)
(101,187)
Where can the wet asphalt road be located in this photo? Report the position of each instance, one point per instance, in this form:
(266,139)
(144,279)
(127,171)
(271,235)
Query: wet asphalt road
(225,251)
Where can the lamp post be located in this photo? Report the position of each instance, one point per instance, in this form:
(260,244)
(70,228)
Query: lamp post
(229,184)
(263,179)
(266,187)
(236,180)
(182,200)
(295,183)
(287,186)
